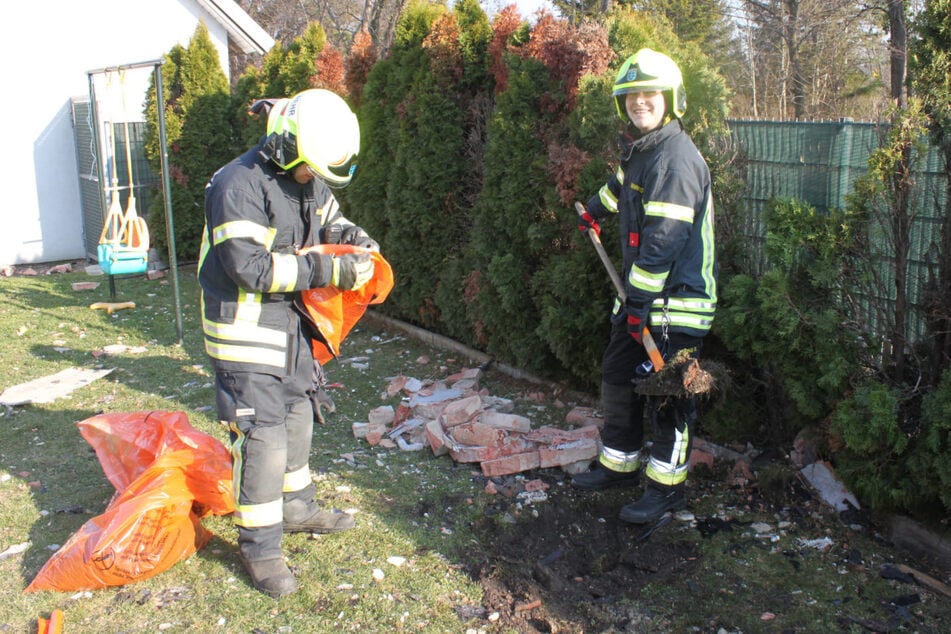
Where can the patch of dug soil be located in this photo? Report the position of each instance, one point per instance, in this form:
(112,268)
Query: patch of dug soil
(569,560)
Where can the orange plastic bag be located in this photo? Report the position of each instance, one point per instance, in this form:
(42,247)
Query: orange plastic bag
(154,520)
(127,443)
(334,312)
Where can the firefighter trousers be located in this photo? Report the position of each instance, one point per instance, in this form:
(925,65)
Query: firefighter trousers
(673,419)
(270,421)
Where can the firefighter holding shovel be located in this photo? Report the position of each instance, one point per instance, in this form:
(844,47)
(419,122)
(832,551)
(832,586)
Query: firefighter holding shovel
(661,198)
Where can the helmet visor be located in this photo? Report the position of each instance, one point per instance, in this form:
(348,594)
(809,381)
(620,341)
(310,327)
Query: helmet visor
(339,175)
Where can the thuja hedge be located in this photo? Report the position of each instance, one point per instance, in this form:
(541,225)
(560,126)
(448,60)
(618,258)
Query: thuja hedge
(478,138)
(199,138)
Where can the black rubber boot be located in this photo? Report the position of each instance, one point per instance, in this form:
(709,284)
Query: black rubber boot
(272,577)
(600,477)
(308,517)
(657,500)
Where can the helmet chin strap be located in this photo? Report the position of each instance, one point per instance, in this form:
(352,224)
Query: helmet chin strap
(271,149)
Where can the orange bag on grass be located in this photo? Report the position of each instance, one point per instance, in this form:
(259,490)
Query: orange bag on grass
(334,312)
(171,476)
(126,443)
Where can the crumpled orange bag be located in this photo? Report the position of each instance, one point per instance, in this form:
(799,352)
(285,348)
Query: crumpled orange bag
(334,312)
(168,475)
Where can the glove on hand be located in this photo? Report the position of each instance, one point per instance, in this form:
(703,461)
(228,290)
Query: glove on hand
(586,221)
(636,320)
(351,271)
(635,327)
(358,237)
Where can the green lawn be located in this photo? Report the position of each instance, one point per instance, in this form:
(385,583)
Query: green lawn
(432,550)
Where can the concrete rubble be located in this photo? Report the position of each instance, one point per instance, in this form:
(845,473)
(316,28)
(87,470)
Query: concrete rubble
(456,417)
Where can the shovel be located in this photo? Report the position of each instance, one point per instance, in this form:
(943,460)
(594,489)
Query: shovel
(646,338)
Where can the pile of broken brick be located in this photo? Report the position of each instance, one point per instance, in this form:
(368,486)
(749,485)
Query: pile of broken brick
(456,417)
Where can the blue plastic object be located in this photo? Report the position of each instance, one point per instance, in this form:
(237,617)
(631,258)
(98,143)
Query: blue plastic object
(117,259)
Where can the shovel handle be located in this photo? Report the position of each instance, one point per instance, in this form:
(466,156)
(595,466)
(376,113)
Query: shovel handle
(655,356)
(646,338)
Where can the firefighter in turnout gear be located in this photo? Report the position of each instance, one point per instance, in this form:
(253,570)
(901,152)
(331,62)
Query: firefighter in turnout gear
(261,210)
(661,198)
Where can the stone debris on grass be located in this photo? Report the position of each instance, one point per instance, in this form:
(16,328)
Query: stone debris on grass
(49,388)
(15,549)
(822,477)
(455,417)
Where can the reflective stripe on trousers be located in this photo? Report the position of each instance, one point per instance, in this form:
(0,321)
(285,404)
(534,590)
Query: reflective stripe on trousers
(270,419)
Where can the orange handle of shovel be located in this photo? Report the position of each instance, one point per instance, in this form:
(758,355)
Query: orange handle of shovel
(656,358)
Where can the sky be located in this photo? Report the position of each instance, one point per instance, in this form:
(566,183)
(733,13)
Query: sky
(526,7)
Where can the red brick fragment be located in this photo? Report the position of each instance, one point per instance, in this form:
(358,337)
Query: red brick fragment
(511,464)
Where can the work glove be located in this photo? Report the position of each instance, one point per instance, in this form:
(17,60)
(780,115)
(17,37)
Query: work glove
(636,319)
(635,327)
(358,237)
(586,221)
(351,271)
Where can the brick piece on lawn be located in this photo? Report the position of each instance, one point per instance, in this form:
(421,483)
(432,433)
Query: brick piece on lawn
(536,485)
(429,410)
(360,430)
(438,441)
(468,453)
(382,415)
(498,403)
(567,453)
(432,405)
(699,456)
(466,385)
(467,373)
(583,416)
(403,413)
(507,465)
(461,411)
(509,422)
(549,435)
(475,433)
(395,386)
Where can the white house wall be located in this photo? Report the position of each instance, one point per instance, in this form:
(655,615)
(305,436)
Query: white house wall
(46,51)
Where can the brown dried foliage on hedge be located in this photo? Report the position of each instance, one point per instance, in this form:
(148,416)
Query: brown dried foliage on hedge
(442,47)
(362,57)
(569,52)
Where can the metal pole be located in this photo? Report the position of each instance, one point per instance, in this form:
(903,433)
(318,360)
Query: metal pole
(100,174)
(167,190)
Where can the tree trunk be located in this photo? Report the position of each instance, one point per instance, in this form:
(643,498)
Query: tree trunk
(898,51)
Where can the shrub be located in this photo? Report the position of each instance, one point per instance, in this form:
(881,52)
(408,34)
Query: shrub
(789,324)
(199,138)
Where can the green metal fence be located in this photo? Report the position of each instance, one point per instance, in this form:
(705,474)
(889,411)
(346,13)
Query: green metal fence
(818,162)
